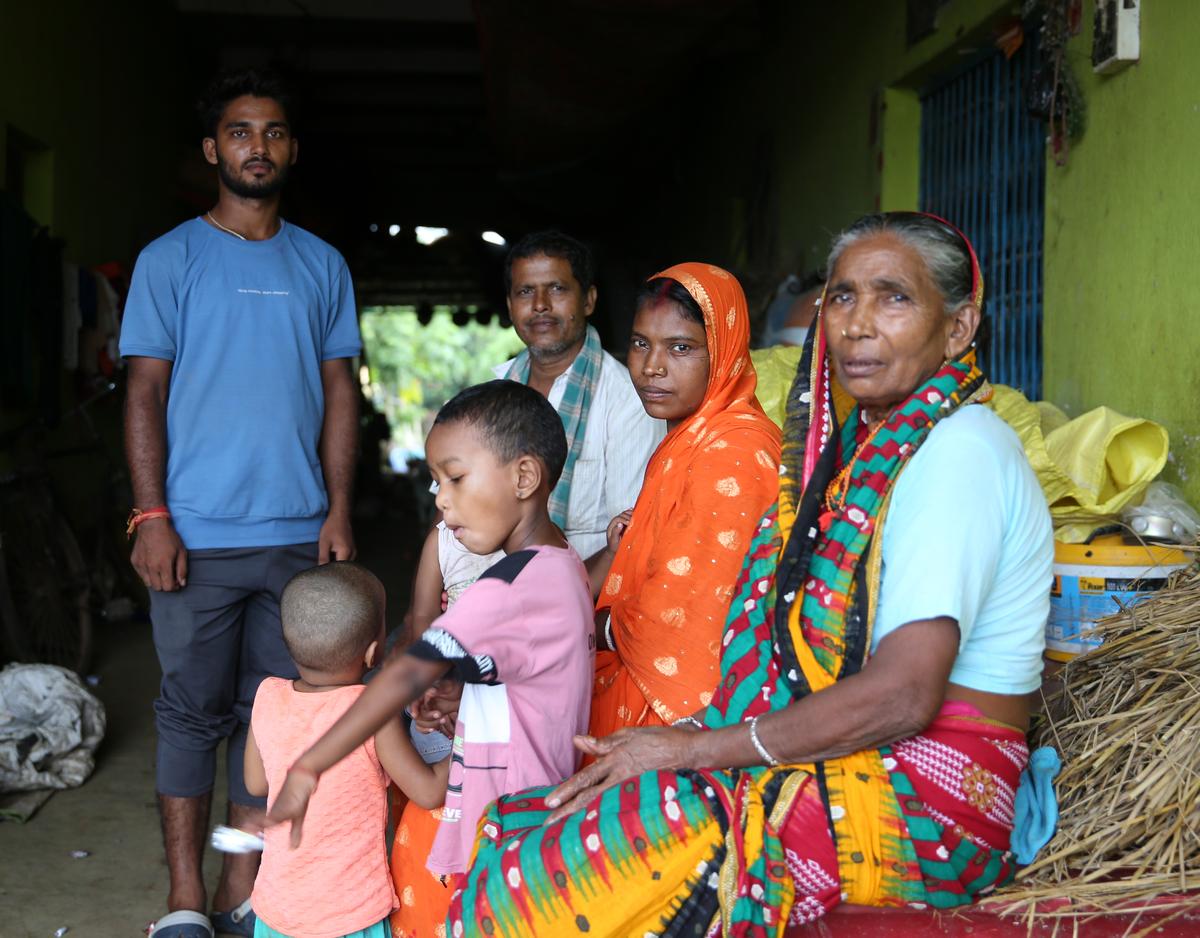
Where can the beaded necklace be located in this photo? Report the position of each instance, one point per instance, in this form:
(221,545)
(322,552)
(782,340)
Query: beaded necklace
(839,488)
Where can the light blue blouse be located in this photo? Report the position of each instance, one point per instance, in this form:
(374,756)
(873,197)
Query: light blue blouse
(968,536)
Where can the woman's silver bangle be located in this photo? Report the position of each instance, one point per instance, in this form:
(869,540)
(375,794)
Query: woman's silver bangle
(608,638)
(759,747)
(689,721)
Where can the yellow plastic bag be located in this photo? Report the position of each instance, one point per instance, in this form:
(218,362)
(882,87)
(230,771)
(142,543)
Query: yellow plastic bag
(1090,467)
(776,367)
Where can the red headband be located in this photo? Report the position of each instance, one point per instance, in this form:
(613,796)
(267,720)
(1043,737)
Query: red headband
(976,273)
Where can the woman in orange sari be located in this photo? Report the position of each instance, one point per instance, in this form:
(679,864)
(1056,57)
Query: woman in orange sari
(662,608)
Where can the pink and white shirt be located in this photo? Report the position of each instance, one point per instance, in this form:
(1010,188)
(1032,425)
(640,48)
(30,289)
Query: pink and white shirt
(523,640)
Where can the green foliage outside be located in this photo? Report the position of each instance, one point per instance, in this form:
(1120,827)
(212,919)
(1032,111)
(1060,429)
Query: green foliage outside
(414,369)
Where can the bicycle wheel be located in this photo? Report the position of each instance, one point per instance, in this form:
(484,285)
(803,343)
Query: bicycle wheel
(47,610)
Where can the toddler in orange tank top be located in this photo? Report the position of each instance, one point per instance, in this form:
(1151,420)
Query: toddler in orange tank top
(336,883)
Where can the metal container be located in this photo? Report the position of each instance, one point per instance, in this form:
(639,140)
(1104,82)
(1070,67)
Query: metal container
(1157,528)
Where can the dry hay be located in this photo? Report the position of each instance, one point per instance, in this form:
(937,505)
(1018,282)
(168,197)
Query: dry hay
(1126,722)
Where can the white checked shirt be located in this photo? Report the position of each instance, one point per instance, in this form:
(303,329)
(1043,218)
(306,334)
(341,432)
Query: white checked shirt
(619,440)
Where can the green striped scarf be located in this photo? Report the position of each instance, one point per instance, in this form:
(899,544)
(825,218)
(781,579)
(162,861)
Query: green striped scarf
(582,377)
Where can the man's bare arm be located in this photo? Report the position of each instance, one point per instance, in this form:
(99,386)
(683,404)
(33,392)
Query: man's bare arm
(339,453)
(159,556)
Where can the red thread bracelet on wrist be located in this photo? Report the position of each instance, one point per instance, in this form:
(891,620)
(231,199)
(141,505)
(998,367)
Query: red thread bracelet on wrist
(137,516)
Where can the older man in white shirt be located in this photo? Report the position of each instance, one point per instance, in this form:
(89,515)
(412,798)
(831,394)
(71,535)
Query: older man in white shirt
(610,436)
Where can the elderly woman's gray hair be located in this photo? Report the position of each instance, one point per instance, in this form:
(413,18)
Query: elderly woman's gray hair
(940,246)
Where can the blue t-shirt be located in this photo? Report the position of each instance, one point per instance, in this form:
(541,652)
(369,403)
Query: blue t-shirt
(968,536)
(247,325)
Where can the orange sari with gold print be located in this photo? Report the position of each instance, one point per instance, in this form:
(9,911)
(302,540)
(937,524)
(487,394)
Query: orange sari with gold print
(706,487)
(424,896)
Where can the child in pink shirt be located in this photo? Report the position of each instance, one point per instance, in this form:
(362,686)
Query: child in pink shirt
(522,638)
(337,883)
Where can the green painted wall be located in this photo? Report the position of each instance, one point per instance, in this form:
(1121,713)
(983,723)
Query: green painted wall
(93,93)
(1122,231)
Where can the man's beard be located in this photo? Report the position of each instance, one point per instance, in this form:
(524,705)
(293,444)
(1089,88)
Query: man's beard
(558,348)
(550,351)
(253,189)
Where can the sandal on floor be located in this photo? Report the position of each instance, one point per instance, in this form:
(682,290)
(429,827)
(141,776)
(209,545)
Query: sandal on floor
(239,921)
(183,924)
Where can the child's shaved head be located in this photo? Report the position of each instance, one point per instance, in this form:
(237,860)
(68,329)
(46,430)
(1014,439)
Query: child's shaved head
(331,614)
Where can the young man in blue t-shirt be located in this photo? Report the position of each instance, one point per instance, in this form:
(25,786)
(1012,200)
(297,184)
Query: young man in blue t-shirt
(240,430)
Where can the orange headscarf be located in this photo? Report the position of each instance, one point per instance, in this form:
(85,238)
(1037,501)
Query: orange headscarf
(706,488)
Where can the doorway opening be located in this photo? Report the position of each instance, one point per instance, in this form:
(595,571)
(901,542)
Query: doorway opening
(416,359)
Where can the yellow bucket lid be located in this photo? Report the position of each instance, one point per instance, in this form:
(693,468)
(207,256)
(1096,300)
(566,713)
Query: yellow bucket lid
(1111,550)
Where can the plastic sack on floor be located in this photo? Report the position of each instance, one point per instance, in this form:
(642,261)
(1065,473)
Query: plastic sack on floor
(776,367)
(1090,467)
(50,727)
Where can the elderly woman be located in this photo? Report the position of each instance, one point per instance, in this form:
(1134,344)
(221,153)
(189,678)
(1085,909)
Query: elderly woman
(661,612)
(883,639)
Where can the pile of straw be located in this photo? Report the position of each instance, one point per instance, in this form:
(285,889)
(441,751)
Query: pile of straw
(1126,722)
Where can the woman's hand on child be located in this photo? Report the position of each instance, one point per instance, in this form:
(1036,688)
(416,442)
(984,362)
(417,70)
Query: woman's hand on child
(292,801)
(616,529)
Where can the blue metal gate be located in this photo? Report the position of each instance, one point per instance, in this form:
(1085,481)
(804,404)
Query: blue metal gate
(983,167)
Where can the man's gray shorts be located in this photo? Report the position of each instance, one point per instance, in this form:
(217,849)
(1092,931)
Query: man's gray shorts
(217,638)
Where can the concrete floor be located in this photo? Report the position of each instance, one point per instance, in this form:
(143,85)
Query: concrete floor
(121,887)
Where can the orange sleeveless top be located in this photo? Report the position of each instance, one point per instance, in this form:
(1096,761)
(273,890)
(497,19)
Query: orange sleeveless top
(337,881)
